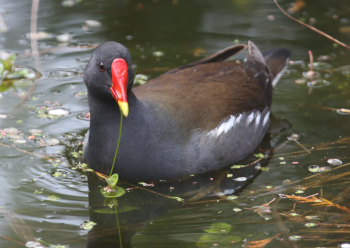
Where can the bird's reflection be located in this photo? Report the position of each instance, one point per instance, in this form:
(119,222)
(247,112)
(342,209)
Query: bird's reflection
(142,204)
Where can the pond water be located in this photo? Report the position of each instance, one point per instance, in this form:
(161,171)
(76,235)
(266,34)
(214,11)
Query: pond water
(44,197)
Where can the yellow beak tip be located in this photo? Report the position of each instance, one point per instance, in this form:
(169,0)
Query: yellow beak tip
(124,107)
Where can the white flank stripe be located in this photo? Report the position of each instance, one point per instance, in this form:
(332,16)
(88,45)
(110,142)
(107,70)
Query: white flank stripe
(232,121)
(266,118)
(257,119)
(250,118)
(238,120)
(224,127)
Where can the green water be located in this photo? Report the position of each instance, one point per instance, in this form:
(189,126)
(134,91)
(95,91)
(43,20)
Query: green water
(47,199)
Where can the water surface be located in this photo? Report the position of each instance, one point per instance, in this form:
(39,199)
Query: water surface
(51,201)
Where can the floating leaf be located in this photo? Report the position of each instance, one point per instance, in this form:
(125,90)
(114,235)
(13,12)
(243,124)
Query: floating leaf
(87,226)
(58,112)
(334,161)
(93,23)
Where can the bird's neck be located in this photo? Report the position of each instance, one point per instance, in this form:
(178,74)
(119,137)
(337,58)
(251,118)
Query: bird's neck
(104,111)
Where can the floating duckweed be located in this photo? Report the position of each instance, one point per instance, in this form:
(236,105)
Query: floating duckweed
(158,54)
(81,94)
(310,224)
(316,168)
(237,209)
(52,198)
(236,41)
(259,155)
(57,174)
(177,198)
(75,154)
(312,217)
(237,166)
(294,238)
(83,167)
(231,197)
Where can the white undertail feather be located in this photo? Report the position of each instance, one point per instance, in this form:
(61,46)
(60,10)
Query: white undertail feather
(279,75)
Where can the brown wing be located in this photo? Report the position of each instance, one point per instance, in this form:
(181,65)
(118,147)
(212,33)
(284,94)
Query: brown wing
(184,95)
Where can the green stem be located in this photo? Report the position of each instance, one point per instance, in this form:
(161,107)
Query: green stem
(120,237)
(116,150)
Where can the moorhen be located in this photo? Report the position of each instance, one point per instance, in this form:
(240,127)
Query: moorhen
(192,119)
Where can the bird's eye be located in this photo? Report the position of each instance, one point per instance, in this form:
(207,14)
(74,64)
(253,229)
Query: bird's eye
(101,67)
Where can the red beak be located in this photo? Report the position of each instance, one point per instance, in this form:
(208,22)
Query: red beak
(119,70)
